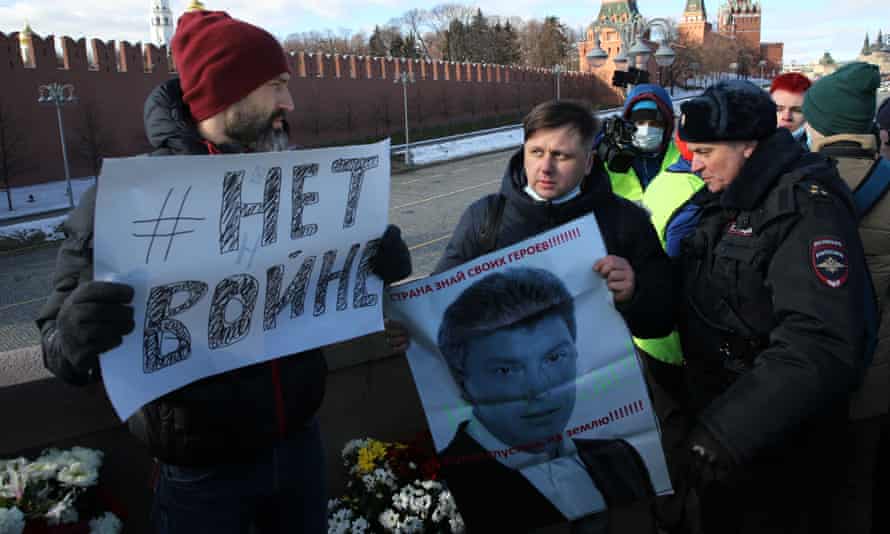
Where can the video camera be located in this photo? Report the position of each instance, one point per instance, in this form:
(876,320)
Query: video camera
(616,147)
(632,76)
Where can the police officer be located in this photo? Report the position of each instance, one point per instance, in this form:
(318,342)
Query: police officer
(771,319)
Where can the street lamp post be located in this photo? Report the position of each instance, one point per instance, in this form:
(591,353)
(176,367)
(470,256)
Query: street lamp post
(558,70)
(734,67)
(638,54)
(60,94)
(762,65)
(405,78)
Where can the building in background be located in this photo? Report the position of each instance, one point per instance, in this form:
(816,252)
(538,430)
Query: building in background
(161,23)
(738,21)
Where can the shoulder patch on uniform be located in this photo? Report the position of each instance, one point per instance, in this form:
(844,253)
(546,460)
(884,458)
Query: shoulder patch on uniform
(828,257)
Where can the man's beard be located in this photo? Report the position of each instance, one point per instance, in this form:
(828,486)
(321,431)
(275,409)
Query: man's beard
(255,132)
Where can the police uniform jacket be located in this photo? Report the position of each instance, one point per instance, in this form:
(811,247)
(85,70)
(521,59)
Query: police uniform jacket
(772,311)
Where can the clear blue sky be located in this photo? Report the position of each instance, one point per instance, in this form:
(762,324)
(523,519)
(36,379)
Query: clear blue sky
(808,28)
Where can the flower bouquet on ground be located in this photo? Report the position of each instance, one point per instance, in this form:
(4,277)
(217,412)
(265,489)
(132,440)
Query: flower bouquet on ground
(392,487)
(54,494)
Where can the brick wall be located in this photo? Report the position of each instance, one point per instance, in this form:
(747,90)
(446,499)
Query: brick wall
(338,98)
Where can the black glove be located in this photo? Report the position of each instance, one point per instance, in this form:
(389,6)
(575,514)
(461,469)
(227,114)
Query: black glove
(392,261)
(93,319)
(707,460)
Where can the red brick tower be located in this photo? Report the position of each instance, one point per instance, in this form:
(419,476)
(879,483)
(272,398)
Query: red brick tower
(740,20)
(694,25)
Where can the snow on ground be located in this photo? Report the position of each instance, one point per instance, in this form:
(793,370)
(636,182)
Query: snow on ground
(27,230)
(466,147)
(481,144)
(50,196)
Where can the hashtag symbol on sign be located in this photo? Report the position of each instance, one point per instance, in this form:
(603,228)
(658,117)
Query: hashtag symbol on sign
(171,223)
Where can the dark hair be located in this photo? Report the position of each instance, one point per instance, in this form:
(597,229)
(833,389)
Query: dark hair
(517,297)
(559,113)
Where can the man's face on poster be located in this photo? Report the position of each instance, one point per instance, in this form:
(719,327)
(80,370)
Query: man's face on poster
(521,380)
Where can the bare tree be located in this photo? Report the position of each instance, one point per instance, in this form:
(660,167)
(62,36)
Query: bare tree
(544,43)
(12,144)
(417,23)
(343,41)
(93,136)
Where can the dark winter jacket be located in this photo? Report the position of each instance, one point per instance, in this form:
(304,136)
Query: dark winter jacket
(856,156)
(625,228)
(772,319)
(220,419)
(492,497)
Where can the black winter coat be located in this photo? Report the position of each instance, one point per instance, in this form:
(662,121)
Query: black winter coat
(625,228)
(220,419)
(775,290)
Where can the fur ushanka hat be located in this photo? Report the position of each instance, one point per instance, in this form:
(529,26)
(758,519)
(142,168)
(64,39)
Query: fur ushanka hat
(732,110)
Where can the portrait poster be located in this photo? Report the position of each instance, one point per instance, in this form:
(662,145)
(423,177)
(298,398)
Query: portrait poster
(524,367)
(237,259)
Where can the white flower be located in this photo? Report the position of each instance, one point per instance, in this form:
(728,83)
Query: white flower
(79,474)
(332,504)
(360,525)
(389,519)
(12,521)
(412,524)
(422,504)
(41,470)
(353,446)
(457,524)
(401,500)
(107,524)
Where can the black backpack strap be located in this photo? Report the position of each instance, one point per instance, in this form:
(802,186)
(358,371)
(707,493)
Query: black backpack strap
(873,188)
(488,234)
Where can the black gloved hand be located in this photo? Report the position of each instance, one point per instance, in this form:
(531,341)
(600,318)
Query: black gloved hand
(392,262)
(93,319)
(708,460)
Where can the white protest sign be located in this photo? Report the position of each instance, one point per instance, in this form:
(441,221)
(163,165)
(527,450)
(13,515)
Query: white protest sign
(523,363)
(237,259)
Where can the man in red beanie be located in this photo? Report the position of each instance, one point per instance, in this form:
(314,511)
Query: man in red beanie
(240,451)
(788,91)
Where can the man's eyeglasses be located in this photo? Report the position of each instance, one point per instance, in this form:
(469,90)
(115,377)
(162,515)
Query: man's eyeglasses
(797,110)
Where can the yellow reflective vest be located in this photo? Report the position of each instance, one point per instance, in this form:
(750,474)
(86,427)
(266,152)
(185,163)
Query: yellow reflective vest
(666,193)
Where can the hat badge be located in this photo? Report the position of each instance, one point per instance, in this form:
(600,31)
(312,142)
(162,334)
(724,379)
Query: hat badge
(683,120)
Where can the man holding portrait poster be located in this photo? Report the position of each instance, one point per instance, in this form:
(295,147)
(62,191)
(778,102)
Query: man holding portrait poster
(555,179)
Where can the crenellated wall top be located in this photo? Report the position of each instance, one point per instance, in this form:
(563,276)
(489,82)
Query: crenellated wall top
(124,57)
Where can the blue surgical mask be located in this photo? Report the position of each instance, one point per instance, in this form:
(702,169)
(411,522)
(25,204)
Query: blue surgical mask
(648,138)
(798,133)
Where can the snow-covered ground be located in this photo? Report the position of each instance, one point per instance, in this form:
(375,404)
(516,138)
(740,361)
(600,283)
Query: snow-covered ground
(47,197)
(497,141)
(26,230)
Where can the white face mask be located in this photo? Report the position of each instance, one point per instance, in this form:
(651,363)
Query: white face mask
(648,138)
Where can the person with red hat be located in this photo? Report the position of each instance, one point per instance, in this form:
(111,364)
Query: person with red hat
(240,451)
(788,91)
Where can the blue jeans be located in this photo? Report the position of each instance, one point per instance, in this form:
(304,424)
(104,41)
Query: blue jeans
(282,491)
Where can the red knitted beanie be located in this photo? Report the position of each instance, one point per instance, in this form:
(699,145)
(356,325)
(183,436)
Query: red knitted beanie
(221,60)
